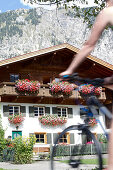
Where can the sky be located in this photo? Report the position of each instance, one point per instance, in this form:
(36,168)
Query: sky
(6,5)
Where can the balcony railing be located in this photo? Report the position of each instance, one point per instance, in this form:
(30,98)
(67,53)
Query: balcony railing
(8,88)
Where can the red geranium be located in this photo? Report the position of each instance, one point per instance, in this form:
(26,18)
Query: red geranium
(89,89)
(16,119)
(61,88)
(52,120)
(27,86)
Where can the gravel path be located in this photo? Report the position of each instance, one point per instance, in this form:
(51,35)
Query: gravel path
(40,165)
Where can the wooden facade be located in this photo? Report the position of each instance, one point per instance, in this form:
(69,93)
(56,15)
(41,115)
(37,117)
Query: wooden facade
(44,66)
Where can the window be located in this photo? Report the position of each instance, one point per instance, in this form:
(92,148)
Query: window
(15,134)
(14,110)
(62,112)
(63,139)
(41,137)
(14,77)
(85,111)
(39,111)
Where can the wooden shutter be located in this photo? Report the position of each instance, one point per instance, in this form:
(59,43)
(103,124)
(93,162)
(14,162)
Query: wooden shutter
(70,113)
(55,135)
(72,140)
(49,139)
(84,140)
(23,110)
(31,111)
(6,110)
(54,110)
(47,110)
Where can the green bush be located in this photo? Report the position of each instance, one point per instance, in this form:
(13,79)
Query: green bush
(23,149)
(3,141)
(8,154)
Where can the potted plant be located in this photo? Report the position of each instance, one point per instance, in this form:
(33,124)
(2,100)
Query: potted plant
(26,86)
(52,120)
(60,88)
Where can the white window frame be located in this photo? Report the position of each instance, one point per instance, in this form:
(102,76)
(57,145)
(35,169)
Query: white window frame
(38,109)
(13,110)
(61,110)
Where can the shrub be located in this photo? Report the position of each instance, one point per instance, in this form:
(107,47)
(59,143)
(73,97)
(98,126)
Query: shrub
(23,149)
(3,141)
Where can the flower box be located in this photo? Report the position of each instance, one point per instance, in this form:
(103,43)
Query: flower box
(16,119)
(52,120)
(60,88)
(89,89)
(26,86)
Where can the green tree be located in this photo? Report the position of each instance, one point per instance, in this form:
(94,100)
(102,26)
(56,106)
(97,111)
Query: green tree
(2,140)
(88,14)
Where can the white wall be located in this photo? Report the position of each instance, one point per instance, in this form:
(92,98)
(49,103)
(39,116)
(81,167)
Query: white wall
(32,124)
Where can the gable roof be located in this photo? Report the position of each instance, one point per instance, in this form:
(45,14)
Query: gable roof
(53,49)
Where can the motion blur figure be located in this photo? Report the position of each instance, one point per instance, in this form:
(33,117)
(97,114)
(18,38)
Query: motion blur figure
(104,18)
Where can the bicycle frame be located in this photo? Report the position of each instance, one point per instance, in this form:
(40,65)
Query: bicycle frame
(91,101)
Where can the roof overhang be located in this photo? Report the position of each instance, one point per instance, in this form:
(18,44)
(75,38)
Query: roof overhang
(49,50)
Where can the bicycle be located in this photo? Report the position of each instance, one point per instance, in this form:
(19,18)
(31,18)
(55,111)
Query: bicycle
(76,159)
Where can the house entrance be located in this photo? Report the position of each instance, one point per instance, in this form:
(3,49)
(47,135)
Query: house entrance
(16,134)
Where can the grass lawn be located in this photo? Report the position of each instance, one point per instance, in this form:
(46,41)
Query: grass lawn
(89,161)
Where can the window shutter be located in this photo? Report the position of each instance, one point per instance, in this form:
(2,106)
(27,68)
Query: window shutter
(23,110)
(49,140)
(70,113)
(55,135)
(47,110)
(6,111)
(54,110)
(31,111)
(84,140)
(72,141)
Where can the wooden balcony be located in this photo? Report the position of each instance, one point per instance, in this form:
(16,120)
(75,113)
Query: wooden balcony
(8,89)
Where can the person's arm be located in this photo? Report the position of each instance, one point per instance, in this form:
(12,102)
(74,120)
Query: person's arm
(101,22)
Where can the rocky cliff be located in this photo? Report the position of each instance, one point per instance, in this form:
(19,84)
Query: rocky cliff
(23,31)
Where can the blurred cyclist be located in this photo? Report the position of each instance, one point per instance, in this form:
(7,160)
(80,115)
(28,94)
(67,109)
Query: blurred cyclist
(104,18)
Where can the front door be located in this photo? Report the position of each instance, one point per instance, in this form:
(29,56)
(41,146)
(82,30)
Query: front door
(16,134)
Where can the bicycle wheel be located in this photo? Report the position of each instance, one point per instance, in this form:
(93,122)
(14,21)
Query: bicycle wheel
(79,156)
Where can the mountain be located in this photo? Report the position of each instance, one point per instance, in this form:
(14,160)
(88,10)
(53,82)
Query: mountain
(23,31)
